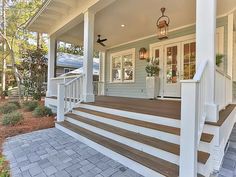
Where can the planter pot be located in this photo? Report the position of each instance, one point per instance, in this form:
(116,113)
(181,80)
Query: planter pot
(152,87)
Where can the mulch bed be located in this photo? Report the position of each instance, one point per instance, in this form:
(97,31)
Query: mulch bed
(29,124)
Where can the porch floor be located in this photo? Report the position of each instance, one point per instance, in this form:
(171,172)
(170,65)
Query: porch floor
(163,108)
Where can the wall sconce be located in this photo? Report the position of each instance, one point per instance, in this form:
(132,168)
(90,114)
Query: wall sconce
(143,54)
(162,25)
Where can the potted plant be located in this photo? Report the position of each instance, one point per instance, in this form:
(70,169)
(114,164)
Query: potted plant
(219,59)
(152,79)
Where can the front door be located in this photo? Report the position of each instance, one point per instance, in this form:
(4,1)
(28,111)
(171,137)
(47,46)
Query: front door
(171,70)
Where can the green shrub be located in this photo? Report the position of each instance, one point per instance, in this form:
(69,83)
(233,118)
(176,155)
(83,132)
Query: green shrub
(15,103)
(12,118)
(42,111)
(30,105)
(4,171)
(8,107)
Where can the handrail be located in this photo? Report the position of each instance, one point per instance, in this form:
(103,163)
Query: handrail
(193,117)
(199,73)
(70,82)
(64,77)
(70,94)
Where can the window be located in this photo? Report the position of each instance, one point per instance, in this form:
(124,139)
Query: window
(66,70)
(122,66)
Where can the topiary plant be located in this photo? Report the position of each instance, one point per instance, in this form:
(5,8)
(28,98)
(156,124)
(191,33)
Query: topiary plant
(152,67)
(8,107)
(219,59)
(41,111)
(12,118)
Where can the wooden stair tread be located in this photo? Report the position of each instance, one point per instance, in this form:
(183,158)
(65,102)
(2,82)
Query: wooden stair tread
(172,130)
(223,115)
(154,142)
(153,107)
(161,166)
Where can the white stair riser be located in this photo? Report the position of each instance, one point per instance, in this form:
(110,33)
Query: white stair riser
(205,170)
(136,116)
(134,128)
(129,142)
(132,143)
(142,130)
(113,155)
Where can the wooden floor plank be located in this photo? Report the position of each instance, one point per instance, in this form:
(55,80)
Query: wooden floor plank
(154,142)
(172,130)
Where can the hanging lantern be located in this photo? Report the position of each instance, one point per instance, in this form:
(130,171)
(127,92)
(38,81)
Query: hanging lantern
(162,25)
(142,53)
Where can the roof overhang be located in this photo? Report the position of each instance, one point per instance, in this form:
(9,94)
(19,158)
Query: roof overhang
(64,19)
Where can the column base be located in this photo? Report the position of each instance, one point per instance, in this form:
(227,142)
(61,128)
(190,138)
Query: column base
(88,98)
(212,112)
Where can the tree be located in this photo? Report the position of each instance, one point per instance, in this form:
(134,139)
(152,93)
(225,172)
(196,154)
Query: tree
(16,38)
(34,67)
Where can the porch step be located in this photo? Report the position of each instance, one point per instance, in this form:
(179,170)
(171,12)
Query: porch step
(148,164)
(143,139)
(163,128)
(156,164)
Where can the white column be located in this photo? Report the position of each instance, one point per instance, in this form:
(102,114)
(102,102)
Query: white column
(61,102)
(51,63)
(102,64)
(230,44)
(205,49)
(230,53)
(88,95)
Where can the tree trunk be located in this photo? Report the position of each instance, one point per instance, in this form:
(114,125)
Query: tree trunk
(4,64)
(14,69)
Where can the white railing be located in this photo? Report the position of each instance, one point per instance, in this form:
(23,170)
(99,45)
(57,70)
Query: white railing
(70,94)
(223,89)
(59,80)
(193,116)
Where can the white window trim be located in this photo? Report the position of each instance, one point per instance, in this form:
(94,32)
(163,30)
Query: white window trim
(122,53)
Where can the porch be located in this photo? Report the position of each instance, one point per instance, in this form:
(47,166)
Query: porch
(190,142)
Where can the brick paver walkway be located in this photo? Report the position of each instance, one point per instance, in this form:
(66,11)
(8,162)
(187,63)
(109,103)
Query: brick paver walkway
(53,153)
(228,168)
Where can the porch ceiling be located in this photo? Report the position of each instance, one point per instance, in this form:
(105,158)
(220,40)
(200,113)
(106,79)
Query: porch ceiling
(138,16)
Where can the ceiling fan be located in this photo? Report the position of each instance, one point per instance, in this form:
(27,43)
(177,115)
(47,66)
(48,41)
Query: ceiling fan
(100,41)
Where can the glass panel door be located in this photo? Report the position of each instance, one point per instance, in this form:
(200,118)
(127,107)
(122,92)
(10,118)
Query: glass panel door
(171,71)
(171,65)
(189,60)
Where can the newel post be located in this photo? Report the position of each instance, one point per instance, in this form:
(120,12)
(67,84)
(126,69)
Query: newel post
(60,102)
(189,129)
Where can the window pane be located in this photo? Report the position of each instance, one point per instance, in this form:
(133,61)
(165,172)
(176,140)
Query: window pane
(116,75)
(128,68)
(116,62)
(128,74)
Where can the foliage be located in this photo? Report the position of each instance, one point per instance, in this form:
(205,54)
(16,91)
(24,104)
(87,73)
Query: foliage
(4,171)
(219,59)
(30,105)
(12,118)
(34,67)
(15,103)
(41,111)
(17,39)
(8,108)
(73,49)
(152,67)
